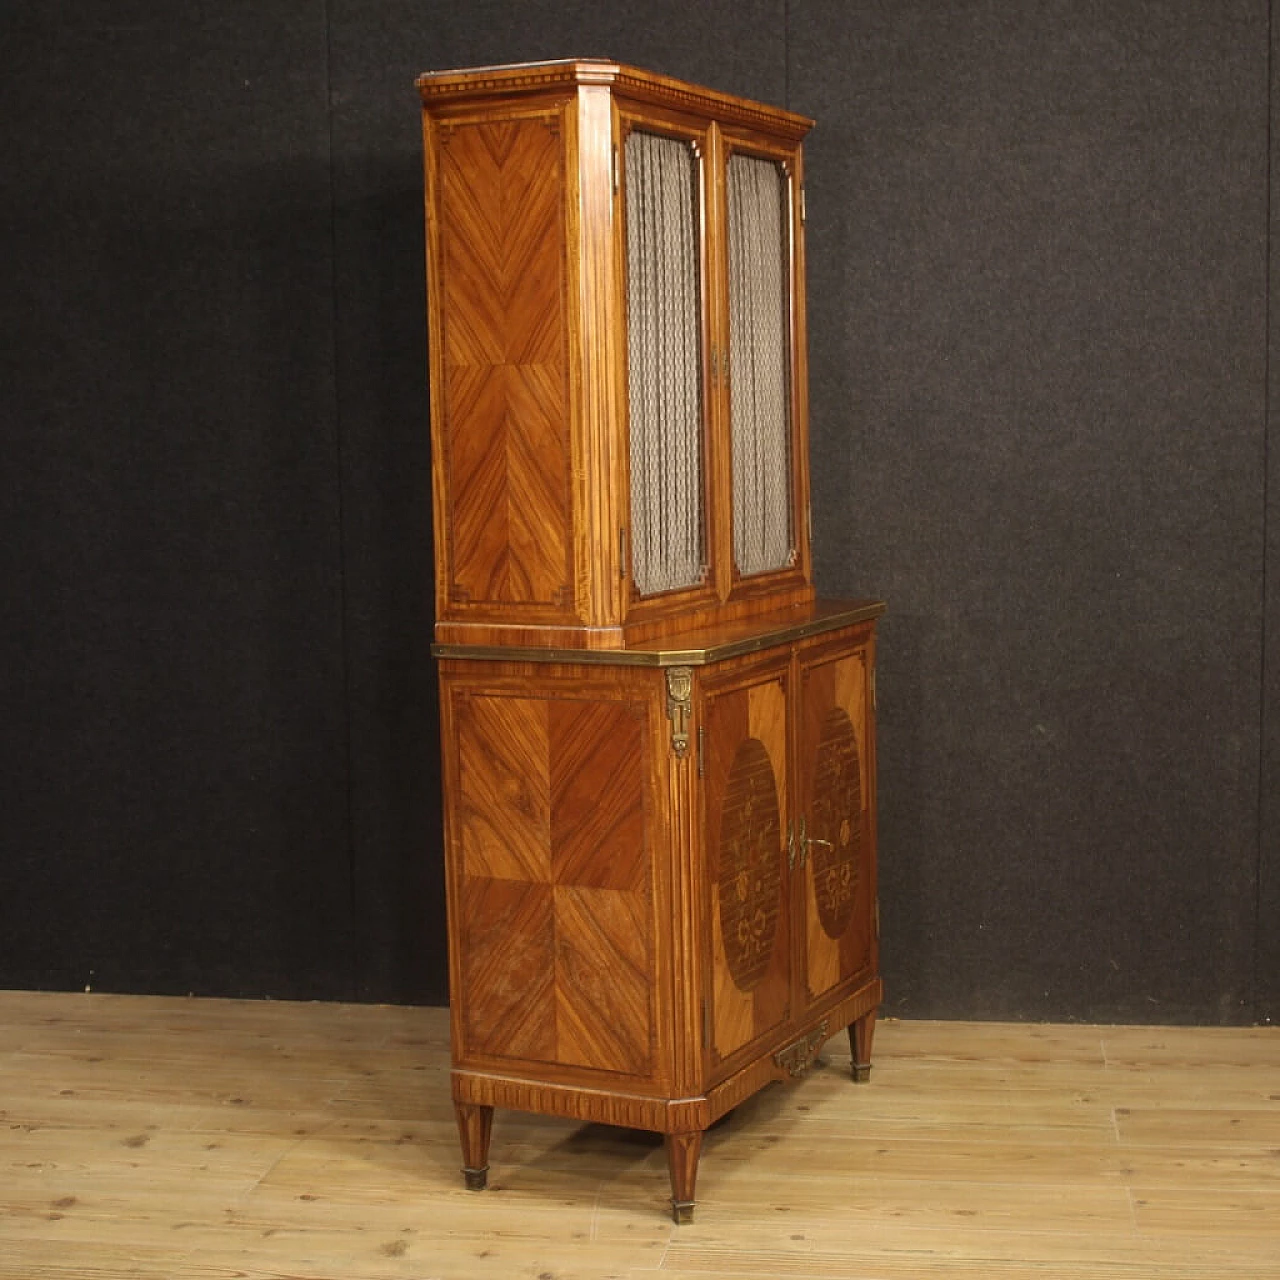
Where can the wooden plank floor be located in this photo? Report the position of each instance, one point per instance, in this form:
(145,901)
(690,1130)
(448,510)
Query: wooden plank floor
(152,1137)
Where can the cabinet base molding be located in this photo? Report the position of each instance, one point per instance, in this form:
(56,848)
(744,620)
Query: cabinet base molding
(573,1102)
(853,1010)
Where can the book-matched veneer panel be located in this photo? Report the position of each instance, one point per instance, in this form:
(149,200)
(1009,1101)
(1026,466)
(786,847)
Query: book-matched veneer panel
(551,849)
(503,425)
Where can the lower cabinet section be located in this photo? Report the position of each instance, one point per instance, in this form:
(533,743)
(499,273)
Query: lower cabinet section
(661,883)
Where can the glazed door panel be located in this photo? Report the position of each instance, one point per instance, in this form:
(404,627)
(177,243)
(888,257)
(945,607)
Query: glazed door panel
(835,833)
(745,821)
(767,407)
(663,213)
(758,210)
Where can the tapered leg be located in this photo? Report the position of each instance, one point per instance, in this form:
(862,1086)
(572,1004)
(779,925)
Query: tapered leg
(683,1150)
(861,1033)
(475,1123)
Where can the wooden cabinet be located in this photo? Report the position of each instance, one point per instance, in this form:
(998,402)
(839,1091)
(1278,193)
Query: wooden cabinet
(618,389)
(659,749)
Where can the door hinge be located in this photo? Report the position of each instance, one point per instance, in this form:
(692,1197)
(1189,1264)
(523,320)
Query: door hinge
(874,707)
(706,1025)
(702,750)
(613,169)
(804,213)
(622,553)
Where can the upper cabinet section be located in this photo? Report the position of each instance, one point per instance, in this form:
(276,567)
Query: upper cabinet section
(618,390)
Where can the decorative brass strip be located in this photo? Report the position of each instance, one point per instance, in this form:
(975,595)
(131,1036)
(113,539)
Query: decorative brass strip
(798,1057)
(656,657)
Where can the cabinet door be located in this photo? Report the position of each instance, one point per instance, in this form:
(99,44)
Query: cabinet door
(663,210)
(744,722)
(766,405)
(836,817)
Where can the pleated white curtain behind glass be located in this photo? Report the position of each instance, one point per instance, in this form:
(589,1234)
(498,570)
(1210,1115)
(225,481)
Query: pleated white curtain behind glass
(759,363)
(664,363)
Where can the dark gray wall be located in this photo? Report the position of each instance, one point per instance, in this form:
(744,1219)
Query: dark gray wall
(1039,255)
(1039,298)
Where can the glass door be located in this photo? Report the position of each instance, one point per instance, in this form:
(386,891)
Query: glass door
(663,209)
(759,203)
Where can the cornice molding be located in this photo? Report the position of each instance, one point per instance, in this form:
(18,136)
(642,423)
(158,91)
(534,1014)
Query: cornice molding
(438,87)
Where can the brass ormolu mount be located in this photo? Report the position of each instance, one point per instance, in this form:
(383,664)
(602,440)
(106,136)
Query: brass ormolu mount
(797,1057)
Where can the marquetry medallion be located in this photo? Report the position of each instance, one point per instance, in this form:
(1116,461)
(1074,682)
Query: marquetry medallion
(835,832)
(750,856)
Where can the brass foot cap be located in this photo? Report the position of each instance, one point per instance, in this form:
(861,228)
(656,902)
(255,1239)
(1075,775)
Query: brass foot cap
(476,1179)
(682,1212)
(861,1072)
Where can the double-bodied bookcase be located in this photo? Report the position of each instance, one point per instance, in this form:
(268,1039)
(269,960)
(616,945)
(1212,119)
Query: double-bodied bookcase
(659,748)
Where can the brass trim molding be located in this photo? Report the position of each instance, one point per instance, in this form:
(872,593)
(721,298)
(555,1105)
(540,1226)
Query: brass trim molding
(674,657)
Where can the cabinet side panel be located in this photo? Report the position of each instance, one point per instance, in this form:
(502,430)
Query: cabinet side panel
(552,844)
(505,393)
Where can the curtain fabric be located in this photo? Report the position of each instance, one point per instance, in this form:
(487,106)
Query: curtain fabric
(759,363)
(664,363)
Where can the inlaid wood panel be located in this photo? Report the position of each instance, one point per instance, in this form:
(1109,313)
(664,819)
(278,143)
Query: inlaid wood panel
(552,837)
(835,822)
(835,802)
(505,430)
(750,875)
(746,800)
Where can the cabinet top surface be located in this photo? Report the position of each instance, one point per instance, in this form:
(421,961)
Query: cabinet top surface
(439,87)
(693,648)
